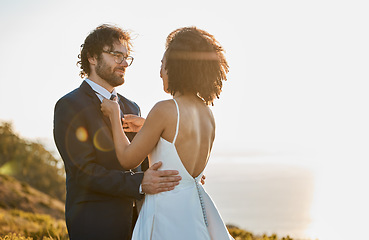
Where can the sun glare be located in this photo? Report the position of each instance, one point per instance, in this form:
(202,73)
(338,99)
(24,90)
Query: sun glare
(81,134)
(339,210)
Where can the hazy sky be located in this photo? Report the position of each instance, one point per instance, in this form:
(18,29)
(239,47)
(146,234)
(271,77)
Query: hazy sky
(298,76)
(298,83)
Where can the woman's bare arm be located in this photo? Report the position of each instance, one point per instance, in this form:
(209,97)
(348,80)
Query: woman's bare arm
(130,155)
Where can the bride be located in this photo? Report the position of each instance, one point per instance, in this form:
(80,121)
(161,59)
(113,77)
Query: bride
(178,132)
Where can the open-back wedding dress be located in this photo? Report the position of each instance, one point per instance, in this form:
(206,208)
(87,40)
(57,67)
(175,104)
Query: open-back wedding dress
(185,213)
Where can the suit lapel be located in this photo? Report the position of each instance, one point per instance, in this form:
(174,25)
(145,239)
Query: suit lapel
(121,105)
(95,101)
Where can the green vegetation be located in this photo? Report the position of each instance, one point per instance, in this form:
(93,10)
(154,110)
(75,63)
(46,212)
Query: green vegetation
(21,196)
(26,213)
(14,236)
(240,234)
(30,162)
(30,226)
(32,190)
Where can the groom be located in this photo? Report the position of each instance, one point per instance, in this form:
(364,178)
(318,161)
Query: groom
(100,193)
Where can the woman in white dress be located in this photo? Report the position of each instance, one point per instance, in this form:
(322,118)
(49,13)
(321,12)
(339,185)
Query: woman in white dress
(178,132)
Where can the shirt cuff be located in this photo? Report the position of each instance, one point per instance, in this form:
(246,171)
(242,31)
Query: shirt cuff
(140,189)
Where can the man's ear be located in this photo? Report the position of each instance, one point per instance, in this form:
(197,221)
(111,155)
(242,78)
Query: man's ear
(92,59)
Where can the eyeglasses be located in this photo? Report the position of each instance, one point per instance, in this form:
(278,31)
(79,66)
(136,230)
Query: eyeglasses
(119,58)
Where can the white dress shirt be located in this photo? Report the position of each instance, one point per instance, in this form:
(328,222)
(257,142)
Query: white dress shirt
(101,92)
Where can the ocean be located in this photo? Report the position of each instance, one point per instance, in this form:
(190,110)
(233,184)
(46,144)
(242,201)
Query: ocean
(262,197)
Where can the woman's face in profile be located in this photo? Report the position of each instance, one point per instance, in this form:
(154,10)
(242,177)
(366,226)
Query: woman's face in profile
(164,74)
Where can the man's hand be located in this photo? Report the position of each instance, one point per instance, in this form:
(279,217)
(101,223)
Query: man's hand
(156,181)
(132,123)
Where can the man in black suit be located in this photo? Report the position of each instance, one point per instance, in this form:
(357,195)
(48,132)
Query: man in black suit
(100,193)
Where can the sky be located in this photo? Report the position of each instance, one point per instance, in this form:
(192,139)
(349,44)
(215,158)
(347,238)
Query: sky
(297,87)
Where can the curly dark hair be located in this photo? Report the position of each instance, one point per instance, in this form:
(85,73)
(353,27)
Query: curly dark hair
(195,63)
(103,35)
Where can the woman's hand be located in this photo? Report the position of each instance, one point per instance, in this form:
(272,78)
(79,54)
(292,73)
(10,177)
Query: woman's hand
(132,123)
(110,109)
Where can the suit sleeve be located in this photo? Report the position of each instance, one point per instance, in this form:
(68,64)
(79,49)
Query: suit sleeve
(76,147)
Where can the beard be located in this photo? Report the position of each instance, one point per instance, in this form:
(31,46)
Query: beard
(108,73)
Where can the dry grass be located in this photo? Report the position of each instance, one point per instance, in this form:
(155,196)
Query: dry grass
(30,226)
(19,195)
(26,213)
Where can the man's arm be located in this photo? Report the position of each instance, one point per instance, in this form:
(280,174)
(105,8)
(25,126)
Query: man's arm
(77,150)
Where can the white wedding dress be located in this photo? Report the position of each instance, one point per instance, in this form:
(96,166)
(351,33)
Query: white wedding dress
(185,213)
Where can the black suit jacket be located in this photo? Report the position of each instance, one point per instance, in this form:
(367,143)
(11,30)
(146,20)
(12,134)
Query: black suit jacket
(100,193)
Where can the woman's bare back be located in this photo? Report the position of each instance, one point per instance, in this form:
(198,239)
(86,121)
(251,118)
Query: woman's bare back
(196,132)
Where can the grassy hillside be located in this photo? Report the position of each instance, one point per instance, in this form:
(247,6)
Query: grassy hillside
(21,196)
(27,212)
(29,161)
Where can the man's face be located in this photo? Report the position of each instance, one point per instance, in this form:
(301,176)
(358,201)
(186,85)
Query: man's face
(108,69)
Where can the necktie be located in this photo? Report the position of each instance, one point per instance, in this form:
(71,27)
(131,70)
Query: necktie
(112,97)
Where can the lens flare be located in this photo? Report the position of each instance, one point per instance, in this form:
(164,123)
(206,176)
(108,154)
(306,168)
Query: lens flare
(81,134)
(102,142)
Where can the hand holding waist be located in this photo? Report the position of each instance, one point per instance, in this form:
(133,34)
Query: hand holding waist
(156,181)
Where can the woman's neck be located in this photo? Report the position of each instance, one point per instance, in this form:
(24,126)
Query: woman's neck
(188,96)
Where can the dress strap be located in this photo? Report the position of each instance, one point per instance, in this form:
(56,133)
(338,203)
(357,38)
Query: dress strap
(175,136)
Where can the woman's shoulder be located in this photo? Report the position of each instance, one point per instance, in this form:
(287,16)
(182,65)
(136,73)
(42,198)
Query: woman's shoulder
(162,109)
(165,103)
(164,106)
